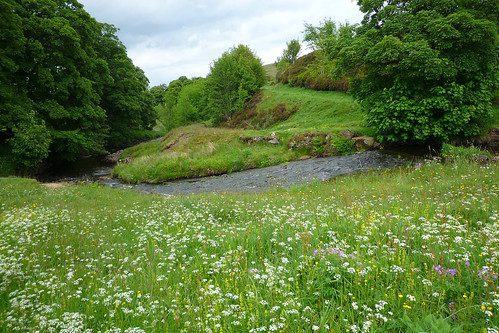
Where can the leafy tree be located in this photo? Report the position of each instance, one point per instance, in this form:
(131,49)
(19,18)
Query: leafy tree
(328,37)
(289,56)
(290,53)
(158,93)
(425,70)
(192,103)
(30,144)
(234,78)
(170,97)
(65,79)
(126,98)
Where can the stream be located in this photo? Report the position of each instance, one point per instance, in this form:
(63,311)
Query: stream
(254,180)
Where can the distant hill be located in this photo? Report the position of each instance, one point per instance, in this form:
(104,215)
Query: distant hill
(271,71)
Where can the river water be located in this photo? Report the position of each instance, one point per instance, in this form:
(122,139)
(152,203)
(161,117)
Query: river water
(255,180)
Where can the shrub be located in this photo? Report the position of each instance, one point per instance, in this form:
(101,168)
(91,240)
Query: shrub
(342,145)
(30,145)
(313,71)
(234,78)
(191,104)
(426,71)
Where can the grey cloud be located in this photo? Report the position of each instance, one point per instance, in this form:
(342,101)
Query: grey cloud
(168,39)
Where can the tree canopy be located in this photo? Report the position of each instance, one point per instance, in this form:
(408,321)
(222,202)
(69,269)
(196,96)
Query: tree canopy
(425,70)
(235,77)
(67,86)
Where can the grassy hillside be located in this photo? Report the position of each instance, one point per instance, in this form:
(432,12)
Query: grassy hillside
(271,71)
(197,150)
(396,251)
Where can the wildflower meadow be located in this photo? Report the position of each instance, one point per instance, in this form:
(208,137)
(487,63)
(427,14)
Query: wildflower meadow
(388,251)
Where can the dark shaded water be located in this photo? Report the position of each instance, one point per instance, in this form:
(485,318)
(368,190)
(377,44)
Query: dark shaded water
(255,180)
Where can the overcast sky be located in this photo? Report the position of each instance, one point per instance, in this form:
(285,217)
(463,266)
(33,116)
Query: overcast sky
(171,38)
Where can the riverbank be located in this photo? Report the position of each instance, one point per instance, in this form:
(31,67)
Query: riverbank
(281,124)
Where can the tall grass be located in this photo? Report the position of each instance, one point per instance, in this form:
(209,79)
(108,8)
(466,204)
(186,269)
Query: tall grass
(386,251)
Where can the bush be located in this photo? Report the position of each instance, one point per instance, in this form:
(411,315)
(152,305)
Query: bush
(313,71)
(30,145)
(342,145)
(425,72)
(191,104)
(170,98)
(234,78)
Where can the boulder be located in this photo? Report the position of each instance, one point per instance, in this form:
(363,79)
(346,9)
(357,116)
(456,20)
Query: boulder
(272,139)
(348,134)
(366,142)
(113,158)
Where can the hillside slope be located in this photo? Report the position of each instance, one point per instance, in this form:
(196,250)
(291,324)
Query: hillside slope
(197,150)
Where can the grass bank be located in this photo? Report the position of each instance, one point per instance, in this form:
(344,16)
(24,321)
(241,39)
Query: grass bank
(198,150)
(385,251)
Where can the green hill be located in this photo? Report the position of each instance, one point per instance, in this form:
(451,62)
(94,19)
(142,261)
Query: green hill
(199,150)
(271,71)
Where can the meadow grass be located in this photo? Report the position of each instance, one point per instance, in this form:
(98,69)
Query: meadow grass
(198,150)
(398,250)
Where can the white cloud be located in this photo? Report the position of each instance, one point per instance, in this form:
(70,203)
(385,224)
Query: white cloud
(168,39)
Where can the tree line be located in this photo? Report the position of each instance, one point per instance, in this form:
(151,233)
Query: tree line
(67,86)
(233,79)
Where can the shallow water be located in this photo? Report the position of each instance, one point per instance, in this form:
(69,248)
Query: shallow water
(284,175)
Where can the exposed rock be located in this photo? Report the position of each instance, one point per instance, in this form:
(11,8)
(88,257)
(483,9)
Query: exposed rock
(348,134)
(313,144)
(272,139)
(366,142)
(114,157)
(481,159)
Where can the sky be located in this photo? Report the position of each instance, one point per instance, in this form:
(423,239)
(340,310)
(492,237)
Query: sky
(171,38)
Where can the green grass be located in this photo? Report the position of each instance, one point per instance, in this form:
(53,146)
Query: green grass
(203,151)
(398,250)
(270,71)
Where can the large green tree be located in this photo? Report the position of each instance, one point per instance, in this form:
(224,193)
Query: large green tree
(425,70)
(126,97)
(66,83)
(236,76)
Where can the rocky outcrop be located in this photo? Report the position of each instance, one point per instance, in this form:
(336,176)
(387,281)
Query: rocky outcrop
(272,139)
(366,143)
(113,158)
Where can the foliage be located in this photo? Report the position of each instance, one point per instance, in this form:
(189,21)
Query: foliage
(126,99)
(192,104)
(170,97)
(234,78)
(198,150)
(314,71)
(425,70)
(360,252)
(453,153)
(62,70)
(342,145)
(158,93)
(329,37)
(30,145)
(430,324)
(289,55)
